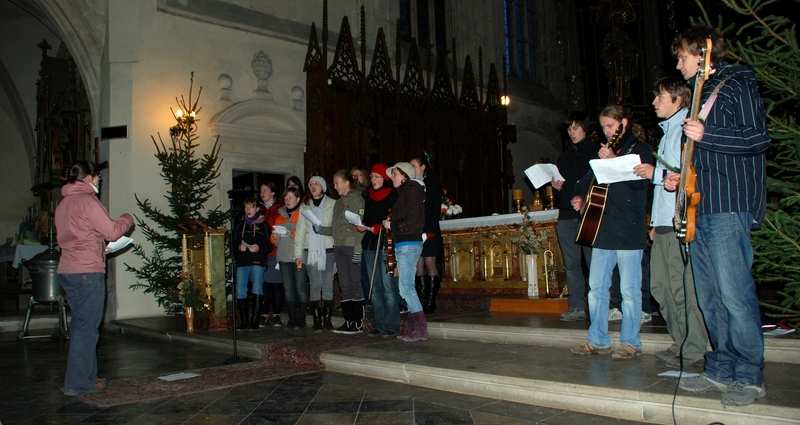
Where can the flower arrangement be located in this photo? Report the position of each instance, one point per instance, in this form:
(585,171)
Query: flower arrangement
(530,241)
(449,208)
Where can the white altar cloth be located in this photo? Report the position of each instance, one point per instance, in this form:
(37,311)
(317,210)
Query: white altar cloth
(497,220)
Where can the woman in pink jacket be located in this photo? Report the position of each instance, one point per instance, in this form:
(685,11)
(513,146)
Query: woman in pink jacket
(83,226)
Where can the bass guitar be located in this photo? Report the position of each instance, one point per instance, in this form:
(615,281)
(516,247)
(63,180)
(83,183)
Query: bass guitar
(595,202)
(687,197)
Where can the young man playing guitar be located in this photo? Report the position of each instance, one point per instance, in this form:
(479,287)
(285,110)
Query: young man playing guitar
(668,267)
(731,178)
(619,242)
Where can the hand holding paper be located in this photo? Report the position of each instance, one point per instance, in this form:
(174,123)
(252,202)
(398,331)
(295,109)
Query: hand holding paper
(614,170)
(541,174)
(352,218)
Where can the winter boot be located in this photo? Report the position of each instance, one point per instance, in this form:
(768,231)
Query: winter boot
(317,316)
(426,293)
(255,313)
(277,304)
(417,328)
(436,284)
(242,310)
(327,311)
(291,311)
(418,286)
(300,315)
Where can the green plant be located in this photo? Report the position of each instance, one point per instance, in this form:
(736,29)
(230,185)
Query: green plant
(191,295)
(768,43)
(190,178)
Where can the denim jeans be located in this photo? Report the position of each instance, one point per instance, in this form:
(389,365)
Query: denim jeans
(86,296)
(295,283)
(407,254)
(573,253)
(721,260)
(252,273)
(385,295)
(629,263)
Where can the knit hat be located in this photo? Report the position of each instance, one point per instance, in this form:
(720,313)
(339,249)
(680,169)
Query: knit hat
(380,169)
(321,182)
(404,167)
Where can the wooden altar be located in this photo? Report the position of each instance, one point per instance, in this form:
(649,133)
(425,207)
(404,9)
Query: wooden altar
(482,258)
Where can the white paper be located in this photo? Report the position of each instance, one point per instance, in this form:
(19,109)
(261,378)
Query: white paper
(178,376)
(118,244)
(280,230)
(677,373)
(309,215)
(352,218)
(613,170)
(541,174)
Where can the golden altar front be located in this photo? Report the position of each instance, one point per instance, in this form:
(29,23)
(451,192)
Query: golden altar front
(481,254)
(203,260)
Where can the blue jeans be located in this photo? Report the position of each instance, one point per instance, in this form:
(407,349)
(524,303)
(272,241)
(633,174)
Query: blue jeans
(629,263)
(251,273)
(721,260)
(407,254)
(86,296)
(385,295)
(295,283)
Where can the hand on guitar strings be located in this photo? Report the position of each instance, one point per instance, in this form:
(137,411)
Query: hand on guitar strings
(605,152)
(644,171)
(576,202)
(693,129)
(671,181)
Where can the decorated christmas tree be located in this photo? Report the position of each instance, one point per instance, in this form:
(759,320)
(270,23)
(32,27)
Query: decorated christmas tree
(767,41)
(190,177)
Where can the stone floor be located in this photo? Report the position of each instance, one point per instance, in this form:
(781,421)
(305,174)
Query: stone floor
(31,374)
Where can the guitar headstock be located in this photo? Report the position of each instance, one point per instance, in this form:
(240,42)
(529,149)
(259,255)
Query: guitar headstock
(704,67)
(614,140)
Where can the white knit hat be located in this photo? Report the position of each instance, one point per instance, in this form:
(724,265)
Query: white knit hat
(404,167)
(321,182)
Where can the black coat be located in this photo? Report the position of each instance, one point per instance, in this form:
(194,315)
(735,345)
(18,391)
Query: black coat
(374,214)
(258,234)
(408,213)
(623,224)
(433,204)
(573,164)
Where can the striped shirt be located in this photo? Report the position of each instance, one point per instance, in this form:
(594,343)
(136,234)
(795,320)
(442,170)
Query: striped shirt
(730,159)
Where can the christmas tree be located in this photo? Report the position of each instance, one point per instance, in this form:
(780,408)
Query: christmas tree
(768,43)
(190,178)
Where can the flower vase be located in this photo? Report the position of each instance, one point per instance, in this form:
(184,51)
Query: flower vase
(533,276)
(188,314)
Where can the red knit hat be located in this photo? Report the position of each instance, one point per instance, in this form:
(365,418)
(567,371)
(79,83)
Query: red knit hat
(380,169)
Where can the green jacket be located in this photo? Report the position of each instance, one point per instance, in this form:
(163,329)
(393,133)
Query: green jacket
(344,233)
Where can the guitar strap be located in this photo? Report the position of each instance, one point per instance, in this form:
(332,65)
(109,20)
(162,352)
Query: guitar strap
(706,109)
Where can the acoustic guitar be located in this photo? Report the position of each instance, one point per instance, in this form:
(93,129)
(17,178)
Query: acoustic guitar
(595,202)
(687,197)
(388,251)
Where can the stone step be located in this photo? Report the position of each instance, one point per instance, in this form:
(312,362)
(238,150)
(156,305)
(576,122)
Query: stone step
(783,350)
(552,377)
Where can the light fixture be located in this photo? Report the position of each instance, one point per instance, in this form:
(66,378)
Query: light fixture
(505,100)
(179,113)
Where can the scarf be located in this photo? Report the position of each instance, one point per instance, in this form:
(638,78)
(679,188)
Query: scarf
(316,242)
(380,194)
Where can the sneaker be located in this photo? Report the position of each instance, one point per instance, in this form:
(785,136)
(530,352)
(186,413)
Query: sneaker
(614,315)
(573,316)
(586,349)
(701,383)
(347,328)
(626,352)
(275,321)
(666,356)
(645,317)
(741,394)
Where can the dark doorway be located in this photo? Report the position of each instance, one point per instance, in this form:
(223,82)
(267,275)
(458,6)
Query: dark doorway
(246,183)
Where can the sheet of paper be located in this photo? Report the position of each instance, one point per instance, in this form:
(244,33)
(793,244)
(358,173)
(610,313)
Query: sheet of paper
(613,170)
(118,244)
(280,230)
(309,215)
(178,376)
(541,174)
(677,373)
(352,218)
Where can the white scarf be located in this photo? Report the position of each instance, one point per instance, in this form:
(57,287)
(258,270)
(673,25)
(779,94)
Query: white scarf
(316,242)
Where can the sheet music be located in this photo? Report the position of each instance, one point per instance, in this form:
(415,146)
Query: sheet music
(309,215)
(614,170)
(118,244)
(352,218)
(280,230)
(541,174)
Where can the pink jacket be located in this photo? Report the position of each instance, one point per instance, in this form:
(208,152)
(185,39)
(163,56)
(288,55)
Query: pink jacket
(82,227)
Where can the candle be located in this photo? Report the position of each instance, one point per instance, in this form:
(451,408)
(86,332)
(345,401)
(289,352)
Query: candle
(516,194)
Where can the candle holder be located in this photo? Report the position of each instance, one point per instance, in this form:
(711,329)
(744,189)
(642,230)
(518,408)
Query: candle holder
(518,197)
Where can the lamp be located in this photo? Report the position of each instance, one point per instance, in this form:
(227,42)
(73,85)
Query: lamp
(505,100)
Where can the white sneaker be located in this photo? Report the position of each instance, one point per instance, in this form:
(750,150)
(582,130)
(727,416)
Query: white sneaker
(646,317)
(614,315)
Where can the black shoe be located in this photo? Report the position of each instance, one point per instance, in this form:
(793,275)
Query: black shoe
(300,321)
(255,312)
(436,284)
(275,321)
(347,328)
(317,312)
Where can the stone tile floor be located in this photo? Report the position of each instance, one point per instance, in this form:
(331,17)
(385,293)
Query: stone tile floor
(31,375)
